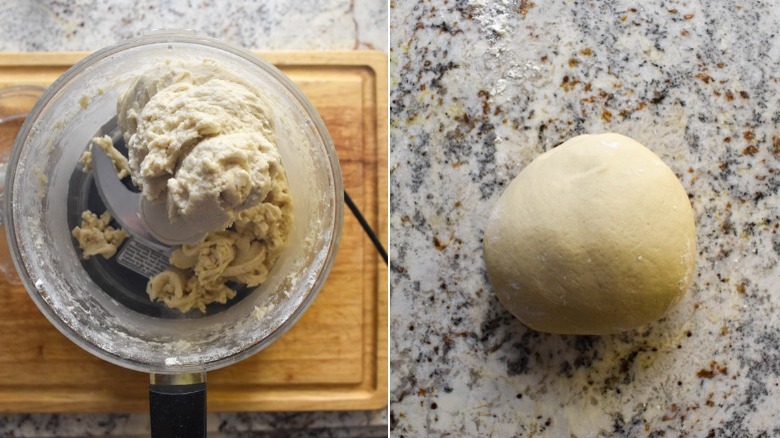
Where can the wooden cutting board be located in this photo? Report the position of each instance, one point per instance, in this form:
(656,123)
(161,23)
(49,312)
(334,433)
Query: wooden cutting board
(334,358)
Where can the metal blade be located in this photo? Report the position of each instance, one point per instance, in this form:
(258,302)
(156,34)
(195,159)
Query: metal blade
(121,202)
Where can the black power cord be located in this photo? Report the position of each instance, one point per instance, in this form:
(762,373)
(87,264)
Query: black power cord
(366,226)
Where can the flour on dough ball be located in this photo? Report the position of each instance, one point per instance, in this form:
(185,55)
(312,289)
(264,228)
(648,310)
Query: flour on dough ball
(595,236)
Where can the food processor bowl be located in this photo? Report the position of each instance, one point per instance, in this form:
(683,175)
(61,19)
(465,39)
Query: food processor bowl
(45,190)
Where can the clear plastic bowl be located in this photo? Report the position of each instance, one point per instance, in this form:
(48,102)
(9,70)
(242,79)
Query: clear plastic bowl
(15,103)
(44,157)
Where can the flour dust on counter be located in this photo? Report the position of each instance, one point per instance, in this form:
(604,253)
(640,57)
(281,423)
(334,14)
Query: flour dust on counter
(478,90)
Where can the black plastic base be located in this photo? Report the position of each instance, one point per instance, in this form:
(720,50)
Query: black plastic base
(178,410)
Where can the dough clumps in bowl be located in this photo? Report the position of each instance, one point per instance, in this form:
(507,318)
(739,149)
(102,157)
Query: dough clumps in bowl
(202,140)
(184,123)
(595,236)
(96,237)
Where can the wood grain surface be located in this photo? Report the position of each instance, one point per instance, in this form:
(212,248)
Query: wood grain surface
(334,358)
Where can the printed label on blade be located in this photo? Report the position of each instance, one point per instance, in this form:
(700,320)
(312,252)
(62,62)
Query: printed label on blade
(142,259)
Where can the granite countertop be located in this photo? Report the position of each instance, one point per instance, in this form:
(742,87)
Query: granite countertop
(254,24)
(90,25)
(478,89)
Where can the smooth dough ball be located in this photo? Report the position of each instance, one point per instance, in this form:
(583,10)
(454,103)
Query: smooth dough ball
(595,236)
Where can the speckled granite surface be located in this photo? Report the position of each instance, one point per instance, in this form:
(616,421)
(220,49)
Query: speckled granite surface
(265,25)
(48,25)
(302,424)
(478,89)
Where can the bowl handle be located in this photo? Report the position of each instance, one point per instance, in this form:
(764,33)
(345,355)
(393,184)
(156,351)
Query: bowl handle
(177,404)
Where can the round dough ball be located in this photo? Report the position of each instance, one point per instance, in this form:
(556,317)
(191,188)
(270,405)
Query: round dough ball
(595,236)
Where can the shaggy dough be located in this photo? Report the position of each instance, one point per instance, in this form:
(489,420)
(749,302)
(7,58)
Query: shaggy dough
(95,236)
(243,254)
(596,236)
(120,162)
(226,173)
(178,290)
(203,140)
